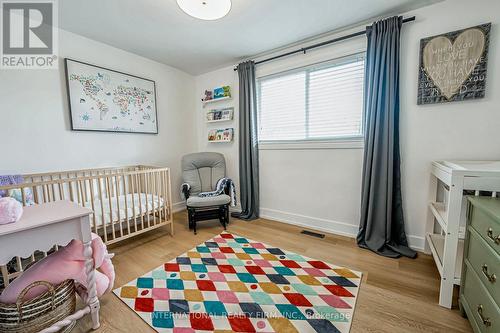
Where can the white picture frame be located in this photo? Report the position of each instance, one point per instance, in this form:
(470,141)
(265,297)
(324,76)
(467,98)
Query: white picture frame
(106,100)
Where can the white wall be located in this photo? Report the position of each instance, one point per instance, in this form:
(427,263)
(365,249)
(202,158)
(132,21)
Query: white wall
(209,81)
(35,130)
(321,188)
(459,130)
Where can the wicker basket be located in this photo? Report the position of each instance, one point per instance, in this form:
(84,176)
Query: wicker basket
(40,312)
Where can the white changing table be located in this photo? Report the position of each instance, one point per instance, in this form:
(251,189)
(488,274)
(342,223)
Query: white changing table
(40,228)
(446,245)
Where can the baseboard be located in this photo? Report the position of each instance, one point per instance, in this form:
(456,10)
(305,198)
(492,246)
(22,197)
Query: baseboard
(179,206)
(416,242)
(330,226)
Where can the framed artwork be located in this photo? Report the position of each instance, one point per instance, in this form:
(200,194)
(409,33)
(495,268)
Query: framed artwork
(105,100)
(453,65)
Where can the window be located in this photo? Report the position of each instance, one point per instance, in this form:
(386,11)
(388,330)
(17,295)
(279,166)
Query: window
(313,103)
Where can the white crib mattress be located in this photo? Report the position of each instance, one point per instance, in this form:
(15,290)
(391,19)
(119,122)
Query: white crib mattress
(148,203)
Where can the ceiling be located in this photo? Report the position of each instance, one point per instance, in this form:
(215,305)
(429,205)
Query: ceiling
(159,30)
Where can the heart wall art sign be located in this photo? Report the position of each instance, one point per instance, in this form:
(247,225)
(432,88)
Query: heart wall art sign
(453,65)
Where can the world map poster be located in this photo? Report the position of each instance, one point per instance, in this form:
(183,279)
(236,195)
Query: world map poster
(105,100)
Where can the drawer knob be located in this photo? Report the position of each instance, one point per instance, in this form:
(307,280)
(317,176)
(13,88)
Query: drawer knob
(486,321)
(491,277)
(493,238)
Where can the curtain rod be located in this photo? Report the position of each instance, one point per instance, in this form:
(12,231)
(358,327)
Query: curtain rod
(331,41)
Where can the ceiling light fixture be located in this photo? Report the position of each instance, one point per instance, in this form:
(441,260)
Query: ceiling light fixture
(205,9)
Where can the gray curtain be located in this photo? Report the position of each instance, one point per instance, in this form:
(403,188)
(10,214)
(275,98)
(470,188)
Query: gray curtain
(249,150)
(382,224)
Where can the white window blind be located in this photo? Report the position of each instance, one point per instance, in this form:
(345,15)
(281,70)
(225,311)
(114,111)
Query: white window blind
(313,103)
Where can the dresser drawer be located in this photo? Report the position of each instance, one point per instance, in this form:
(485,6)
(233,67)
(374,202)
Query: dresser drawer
(486,264)
(480,307)
(487,227)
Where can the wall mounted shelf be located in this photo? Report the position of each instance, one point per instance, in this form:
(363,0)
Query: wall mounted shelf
(221,135)
(218,115)
(216,100)
(218,121)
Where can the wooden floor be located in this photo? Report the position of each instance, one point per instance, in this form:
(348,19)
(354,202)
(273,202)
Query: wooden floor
(396,295)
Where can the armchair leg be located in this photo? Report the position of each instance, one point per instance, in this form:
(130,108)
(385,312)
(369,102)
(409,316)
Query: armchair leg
(220,212)
(223,215)
(192,220)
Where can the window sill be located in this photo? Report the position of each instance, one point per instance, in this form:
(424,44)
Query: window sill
(351,143)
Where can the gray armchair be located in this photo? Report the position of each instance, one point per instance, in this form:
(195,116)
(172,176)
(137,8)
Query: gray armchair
(200,173)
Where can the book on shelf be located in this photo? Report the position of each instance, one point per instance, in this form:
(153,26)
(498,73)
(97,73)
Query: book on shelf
(220,114)
(223,92)
(221,135)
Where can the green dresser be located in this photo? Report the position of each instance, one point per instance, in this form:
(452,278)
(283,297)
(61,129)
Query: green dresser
(480,284)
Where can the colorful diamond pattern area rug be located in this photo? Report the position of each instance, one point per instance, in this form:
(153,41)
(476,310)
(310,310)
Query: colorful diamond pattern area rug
(233,284)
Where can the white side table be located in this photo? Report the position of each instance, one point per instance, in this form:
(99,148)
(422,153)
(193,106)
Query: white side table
(40,228)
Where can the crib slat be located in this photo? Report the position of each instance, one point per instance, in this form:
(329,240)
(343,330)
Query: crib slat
(35,194)
(132,191)
(103,220)
(146,191)
(139,191)
(71,195)
(23,196)
(171,214)
(117,188)
(160,196)
(5,275)
(153,201)
(153,191)
(53,189)
(108,191)
(77,190)
(61,187)
(19,264)
(92,203)
(50,193)
(85,193)
(164,194)
(126,204)
(158,192)
(62,195)
(82,193)
(149,198)
(44,197)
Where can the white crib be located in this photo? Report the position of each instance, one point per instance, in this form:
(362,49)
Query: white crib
(126,201)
